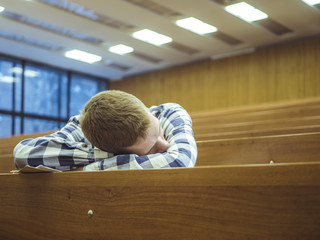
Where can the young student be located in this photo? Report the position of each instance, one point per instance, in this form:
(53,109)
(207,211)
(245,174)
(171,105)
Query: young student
(115,131)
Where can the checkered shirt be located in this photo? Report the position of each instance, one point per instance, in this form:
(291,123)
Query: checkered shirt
(68,148)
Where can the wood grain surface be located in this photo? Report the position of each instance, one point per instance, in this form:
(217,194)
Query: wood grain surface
(237,202)
(278,73)
(300,147)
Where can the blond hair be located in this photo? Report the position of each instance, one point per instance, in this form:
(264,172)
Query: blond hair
(113,120)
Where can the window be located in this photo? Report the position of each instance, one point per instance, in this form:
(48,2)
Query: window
(38,98)
(32,125)
(82,89)
(41,91)
(10,84)
(6,86)
(5,125)
(17,126)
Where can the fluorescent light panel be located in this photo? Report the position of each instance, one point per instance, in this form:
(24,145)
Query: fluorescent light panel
(246,12)
(152,37)
(195,25)
(82,56)
(1,9)
(121,49)
(311,2)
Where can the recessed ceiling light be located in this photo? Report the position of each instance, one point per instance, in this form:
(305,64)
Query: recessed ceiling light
(311,2)
(82,56)
(152,37)
(195,25)
(121,49)
(246,12)
(1,9)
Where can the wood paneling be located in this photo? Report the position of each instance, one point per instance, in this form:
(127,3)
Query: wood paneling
(235,202)
(271,74)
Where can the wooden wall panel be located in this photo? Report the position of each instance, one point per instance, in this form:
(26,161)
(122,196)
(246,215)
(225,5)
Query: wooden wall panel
(270,74)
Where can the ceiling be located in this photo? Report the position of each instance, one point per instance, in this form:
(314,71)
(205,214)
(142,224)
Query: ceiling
(42,30)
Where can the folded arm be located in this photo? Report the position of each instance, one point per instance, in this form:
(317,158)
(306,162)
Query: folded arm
(63,150)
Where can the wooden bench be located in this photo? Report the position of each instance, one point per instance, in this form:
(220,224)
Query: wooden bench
(240,119)
(215,122)
(251,135)
(6,163)
(258,133)
(277,110)
(271,119)
(257,125)
(286,148)
(241,123)
(279,201)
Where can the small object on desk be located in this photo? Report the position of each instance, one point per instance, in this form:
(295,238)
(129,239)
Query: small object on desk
(90,213)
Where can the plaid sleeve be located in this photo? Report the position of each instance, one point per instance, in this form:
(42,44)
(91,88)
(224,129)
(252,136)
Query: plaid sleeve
(61,150)
(177,126)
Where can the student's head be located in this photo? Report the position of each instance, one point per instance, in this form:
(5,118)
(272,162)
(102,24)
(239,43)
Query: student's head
(118,122)
(112,120)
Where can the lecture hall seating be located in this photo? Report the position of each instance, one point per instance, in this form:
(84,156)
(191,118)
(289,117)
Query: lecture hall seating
(250,119)
(257,177)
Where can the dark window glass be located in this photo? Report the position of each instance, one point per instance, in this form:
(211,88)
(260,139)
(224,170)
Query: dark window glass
(5,125)
(17,73)
(41,93)
(63,95)
(17,125)
(82,89)
(6,85)
(33,125)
